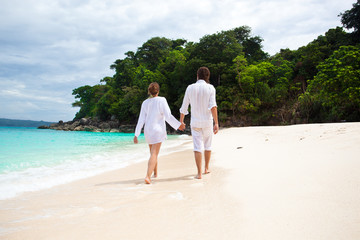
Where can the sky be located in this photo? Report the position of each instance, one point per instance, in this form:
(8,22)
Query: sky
(48,48)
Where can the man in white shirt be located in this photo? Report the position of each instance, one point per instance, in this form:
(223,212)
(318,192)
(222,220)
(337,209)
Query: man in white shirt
(204,119)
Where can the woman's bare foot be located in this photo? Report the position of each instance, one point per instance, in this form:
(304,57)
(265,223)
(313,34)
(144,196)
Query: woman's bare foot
(147,180)
(198,176)
(207,171)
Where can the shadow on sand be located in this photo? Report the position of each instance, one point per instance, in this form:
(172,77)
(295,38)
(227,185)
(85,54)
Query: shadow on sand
(141,180)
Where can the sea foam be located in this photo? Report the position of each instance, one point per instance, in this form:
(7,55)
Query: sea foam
(82,165)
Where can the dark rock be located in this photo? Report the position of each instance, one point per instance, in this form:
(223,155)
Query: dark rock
(104,125)
(79,128)
(75,124)
(114,124)
(88,128)
(97,130)
(84,121)
(127,128)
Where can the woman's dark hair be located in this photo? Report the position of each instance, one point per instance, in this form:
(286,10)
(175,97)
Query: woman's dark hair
(204,73)
(154,88)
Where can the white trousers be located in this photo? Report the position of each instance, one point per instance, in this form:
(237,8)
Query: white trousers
(202,138)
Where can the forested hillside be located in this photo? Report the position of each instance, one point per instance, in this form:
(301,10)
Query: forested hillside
(319,82)
(21,123)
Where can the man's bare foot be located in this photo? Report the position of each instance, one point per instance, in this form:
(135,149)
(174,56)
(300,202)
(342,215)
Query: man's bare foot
(207,171)
(198,176)
(147,180)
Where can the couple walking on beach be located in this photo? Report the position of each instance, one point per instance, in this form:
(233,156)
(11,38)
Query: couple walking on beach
(204,121)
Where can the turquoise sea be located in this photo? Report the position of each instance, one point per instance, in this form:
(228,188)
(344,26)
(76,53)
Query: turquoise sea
(33,159)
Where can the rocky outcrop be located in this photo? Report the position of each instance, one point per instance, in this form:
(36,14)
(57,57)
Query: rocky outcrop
(95,125)
(91,125)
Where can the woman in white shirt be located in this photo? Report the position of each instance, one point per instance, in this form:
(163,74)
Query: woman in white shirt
(153,114)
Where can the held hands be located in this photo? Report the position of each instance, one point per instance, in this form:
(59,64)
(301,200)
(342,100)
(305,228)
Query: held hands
(135,140)
(182,126)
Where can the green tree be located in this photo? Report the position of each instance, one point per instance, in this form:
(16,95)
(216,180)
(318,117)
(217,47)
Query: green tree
(249,83)
(282,81)
(85,100)
(124,71)
(252,46)
(351,20)
(173,70)
(155,50)
(308,57)
(337,83)
(127,109)
(103,108)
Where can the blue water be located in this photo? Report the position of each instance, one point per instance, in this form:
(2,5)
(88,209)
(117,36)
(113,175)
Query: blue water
(32,159)
(23,148)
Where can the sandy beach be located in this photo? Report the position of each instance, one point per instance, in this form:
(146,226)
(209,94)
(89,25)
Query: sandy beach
(284,182)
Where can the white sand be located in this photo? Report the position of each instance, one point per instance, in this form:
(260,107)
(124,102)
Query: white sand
(294,182)
(291,182)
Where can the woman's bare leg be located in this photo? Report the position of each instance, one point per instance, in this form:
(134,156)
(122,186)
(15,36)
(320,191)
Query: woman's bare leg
(155,169)
(154,152)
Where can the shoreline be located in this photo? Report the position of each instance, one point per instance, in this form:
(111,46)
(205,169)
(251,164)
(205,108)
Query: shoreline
(77,167)
(118,200)
(285,182)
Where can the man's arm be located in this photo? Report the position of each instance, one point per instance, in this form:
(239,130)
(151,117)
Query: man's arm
(184,106)
(215,117)
(182,116)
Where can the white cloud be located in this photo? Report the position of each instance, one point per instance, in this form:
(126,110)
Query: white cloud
(76,46)
(48,48)
(20,95)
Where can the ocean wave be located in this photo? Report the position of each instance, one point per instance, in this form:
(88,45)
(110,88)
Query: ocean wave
(79,167)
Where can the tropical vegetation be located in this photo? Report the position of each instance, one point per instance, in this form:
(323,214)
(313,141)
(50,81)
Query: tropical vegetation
(319,82)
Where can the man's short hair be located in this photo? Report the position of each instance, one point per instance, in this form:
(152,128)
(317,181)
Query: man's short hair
(204,74)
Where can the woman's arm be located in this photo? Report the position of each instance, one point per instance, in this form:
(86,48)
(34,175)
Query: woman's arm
(169,118)
(141,122)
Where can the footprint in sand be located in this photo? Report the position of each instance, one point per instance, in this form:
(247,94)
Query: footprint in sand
(341,130)
(197,185)
(177,196)
(140,185)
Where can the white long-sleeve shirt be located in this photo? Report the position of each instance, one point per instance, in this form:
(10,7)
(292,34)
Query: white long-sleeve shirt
(154,112)
(201,97)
